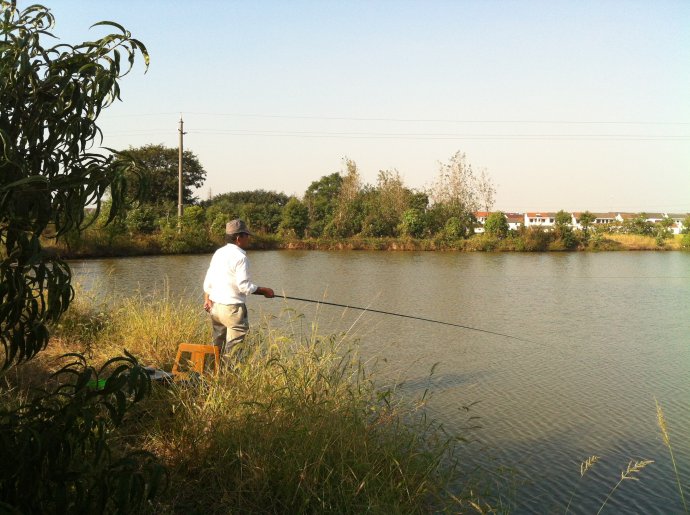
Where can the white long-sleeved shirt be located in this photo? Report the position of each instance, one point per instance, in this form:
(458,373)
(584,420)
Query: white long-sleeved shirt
(227,278)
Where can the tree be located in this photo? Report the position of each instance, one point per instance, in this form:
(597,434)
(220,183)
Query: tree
(50,100)
(159,171)
(262,210)
(455,194)
(586,220)
(457,228)
(419,200)
(563,219)
(664,229)
(412,223)
(486,191)
(385,204)
(564,230)
(347,215)
(295,218)
(54,448)
(321,198)
(639,225)
(496,225)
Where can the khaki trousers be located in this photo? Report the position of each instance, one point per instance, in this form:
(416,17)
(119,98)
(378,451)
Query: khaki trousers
(230,325)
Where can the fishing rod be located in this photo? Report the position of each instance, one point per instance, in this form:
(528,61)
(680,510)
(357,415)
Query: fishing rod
(408,316)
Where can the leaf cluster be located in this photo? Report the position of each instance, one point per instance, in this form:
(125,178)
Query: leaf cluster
(50,98)
(154,177)
(56,451)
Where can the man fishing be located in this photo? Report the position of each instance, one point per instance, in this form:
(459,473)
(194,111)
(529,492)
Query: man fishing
(226,286)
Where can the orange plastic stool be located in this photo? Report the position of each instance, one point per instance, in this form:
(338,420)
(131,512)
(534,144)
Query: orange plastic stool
(197,359)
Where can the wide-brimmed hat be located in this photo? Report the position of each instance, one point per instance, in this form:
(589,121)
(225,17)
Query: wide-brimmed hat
(236,226)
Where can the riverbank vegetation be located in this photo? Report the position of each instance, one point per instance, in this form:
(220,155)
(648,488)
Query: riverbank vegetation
(201,230)
(339,211)
(302,426)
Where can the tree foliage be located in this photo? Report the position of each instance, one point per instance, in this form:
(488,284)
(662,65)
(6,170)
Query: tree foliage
(262,210)
(295,218)
(639,225)
(50,98)
(54,450)
(158,170)
(497,225)
(563,219)
(321,198)
(586,220)
(486,191)
(564,230)
(455,195)
(385,204)
(347,214)
(413,223)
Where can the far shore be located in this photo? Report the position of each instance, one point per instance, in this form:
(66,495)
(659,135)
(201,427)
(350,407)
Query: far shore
(147,246)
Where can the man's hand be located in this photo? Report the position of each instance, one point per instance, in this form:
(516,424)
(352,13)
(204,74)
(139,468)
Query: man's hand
(266,292)
(208,304)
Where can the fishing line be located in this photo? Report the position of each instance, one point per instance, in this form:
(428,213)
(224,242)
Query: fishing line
(409,316)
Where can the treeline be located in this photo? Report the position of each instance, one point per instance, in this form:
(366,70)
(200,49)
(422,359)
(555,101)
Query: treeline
(341,205)
(338,210)
(338,206)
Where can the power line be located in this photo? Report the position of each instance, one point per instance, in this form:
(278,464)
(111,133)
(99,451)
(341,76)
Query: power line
(404,120)
(440,120)
(441,136)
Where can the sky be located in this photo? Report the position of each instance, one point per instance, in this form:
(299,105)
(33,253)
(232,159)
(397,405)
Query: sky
(574,105)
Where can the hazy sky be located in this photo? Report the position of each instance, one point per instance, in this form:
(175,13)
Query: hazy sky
(567,104)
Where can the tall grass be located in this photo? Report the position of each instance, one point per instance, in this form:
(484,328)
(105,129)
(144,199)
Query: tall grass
(666,438)
(640,242)
(635,467)
(299,427)
(629,474)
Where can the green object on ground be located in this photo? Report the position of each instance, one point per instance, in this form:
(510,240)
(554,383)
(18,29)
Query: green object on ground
(96,384)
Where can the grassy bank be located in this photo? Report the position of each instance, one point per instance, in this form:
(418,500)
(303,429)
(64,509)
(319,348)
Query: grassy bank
(301,427)
(142,245)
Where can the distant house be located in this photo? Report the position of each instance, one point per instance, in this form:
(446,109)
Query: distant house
(622,217)
(548,220)
(540,219)
(515,220)
(604,218)
(481,217)
(654,217)
(678,222)
(575,219)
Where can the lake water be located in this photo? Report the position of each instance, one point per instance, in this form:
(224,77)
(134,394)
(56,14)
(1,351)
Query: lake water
(607,334)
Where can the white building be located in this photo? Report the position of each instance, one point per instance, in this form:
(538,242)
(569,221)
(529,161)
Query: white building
(544,219)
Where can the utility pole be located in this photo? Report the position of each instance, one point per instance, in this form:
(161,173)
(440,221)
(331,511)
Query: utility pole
(179,178)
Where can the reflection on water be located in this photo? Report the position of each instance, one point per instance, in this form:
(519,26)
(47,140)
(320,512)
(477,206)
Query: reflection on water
(611,333)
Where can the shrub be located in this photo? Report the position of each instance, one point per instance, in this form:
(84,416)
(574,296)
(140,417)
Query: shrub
(536,239)
(413,223)
(57,454)
(497,225)
(685,241)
